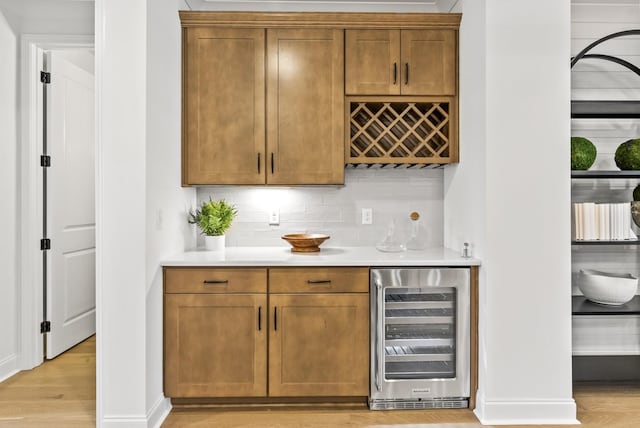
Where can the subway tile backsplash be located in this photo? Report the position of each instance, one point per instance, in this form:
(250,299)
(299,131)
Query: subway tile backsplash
(337,210)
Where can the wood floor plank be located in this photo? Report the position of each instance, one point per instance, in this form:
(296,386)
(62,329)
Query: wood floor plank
(61,393)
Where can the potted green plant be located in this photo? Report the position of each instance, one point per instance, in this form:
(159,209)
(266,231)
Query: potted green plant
(214,218)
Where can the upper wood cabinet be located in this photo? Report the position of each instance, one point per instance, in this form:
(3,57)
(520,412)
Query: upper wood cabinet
(224,86)
(401,62)
(223,120)
(305,105)
(263,94)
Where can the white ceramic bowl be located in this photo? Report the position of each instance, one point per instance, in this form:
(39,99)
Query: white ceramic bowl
(607,288)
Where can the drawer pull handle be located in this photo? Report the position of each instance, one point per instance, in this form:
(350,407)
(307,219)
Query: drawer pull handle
(318,281)
(215,281)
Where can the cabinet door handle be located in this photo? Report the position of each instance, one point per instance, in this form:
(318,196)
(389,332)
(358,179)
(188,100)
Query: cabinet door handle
(258,163)
(406,73)
(395,73)
(259,318)
(318,281)
(272,162)
(215,281)
(275,318)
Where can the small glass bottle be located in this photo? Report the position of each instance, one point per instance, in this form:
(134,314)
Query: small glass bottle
(415,242)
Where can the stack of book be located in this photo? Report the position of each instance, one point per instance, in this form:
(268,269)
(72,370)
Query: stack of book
(604,222)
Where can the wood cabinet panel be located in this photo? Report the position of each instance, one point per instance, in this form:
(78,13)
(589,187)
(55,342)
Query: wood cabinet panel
(319,280)
(223,106)
(372,62)
(319,345)
(305,101)
(421,62)
(428,62)
(215,345)
(215,280)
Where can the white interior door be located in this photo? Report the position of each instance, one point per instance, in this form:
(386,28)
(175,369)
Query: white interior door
(70,200)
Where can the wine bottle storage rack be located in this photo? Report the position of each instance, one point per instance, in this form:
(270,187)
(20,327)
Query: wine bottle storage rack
(401,132)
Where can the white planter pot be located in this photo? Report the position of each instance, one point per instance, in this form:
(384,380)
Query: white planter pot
(214,243)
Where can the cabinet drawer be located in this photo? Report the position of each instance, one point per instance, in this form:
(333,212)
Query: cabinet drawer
(313,280)
(215,280)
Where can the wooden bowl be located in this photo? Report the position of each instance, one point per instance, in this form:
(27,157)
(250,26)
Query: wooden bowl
(305,242)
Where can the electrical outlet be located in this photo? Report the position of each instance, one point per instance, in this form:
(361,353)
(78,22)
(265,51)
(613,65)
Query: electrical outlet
(274,217)
(367,216)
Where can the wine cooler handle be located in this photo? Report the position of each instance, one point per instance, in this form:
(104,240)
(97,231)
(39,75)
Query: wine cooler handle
(378,325)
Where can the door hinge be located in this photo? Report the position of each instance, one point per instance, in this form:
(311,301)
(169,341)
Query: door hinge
(45,161)
(45,327)
(45,77)
(45,244)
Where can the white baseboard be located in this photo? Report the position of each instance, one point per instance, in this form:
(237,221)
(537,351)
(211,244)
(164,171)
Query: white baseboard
(124,421)
(158,412)
(534,412)
(153,419)
(8,367)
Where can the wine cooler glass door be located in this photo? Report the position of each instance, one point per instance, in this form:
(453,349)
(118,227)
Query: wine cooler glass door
(420,333)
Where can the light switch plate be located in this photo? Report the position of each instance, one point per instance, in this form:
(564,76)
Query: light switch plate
(367,216)
(274,217)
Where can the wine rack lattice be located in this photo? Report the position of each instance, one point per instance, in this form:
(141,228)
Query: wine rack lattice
(400,132)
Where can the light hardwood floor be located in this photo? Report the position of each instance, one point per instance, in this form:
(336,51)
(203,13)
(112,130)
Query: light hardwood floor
(61,393)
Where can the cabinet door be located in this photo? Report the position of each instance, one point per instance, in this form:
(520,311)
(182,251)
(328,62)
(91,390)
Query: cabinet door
(428,62)
(319,345)
(223,106)
(305,106)
(215,345)
(372,62)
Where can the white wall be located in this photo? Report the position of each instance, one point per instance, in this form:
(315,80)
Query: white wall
(82,58)
(121,81)
(167,203)
(49,16)
(9,196)
(337,210)
(525,308)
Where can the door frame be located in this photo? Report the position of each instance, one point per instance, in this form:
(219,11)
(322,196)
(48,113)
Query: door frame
(30,343)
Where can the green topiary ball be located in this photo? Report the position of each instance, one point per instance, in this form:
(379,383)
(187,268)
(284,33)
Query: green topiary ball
(628,155)
(583,153)
(636,193)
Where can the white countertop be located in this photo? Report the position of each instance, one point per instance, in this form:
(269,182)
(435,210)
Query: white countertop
(328,256)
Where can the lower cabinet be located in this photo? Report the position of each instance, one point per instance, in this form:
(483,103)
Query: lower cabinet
(319,345)
(215,345)
(225,336)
